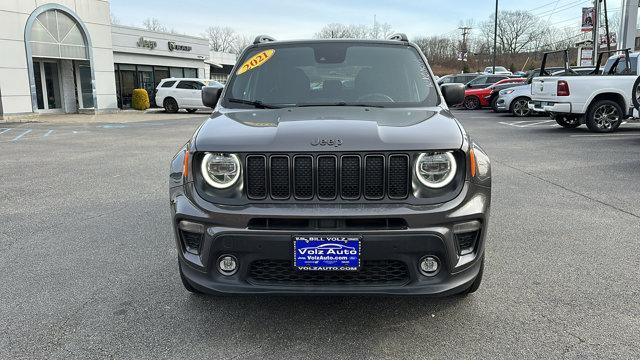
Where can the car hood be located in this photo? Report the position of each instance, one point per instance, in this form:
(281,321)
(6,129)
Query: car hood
(524,89)
(357,128)
(477,91)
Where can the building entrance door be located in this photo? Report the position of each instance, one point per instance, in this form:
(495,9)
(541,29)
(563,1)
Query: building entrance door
(83,84)
(48,85)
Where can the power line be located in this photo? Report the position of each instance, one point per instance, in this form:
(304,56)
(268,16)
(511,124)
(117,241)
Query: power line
(563,8)
(545,5)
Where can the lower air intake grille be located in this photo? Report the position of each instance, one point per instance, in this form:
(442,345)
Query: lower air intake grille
(371,273)
(467,242)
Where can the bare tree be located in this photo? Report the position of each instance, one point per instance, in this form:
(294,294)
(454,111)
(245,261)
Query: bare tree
(517,31)
(154,24)
(240,43)
(114,19)
(354,31)
(438,49)
(221,38)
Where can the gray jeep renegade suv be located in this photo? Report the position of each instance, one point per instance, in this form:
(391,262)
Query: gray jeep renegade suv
(331,166)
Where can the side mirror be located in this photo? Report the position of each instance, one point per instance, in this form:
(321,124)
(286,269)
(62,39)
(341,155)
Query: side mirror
(453,93)
(211,95)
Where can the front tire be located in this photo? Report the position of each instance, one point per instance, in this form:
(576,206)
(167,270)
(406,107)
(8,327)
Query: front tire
(604,116)
(170,105)
(520,107)
(471,103)
(567,121)
(494,104)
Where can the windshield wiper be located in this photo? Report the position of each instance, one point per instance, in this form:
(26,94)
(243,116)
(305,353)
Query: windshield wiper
(339,103)
(257,104)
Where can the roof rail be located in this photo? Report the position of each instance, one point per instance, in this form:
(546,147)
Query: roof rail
(263,39)
(399,37)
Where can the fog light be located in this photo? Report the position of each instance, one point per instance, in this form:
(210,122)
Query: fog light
(429,266)
(227,265)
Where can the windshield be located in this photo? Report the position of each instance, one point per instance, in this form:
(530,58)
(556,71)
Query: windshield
(331,74)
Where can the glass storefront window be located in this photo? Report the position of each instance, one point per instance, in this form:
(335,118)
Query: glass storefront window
(176,72)
(190,73)
(129,77)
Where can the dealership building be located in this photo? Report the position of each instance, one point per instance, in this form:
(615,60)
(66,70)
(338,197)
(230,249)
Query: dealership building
(65,56)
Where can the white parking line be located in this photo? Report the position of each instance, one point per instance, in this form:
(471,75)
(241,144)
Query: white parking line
(48,133)
(603,135)
(537,123)
(3,130)
(21,135)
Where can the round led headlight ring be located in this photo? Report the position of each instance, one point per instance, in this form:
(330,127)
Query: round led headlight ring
(436,170)
(220,170)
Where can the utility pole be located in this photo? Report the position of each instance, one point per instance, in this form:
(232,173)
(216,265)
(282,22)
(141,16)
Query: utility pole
(606,26)
(463,46)
(495,37)
(627,31)
(596,23)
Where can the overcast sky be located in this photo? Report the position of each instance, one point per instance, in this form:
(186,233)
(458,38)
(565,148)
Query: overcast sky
(294,19)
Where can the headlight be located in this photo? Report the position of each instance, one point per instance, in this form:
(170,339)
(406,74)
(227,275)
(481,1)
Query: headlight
(221,170)
(506,91)
(436,169)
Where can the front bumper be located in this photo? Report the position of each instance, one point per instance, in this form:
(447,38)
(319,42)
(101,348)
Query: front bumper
(502,104)
(428,231)
(549,106)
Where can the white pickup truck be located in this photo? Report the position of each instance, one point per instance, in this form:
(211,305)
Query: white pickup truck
(601,102)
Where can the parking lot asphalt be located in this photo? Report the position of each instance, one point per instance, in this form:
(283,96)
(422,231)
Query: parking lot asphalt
(88,264)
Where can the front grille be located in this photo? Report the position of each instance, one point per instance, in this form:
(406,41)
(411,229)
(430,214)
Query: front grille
(328,177)
(374,177)
(371,273)
(256,177)
(279,177)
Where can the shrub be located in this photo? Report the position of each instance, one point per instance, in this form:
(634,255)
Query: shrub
(140,99)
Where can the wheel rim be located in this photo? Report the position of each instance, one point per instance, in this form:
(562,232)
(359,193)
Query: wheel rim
(606,116)
(521,108)
(471,103)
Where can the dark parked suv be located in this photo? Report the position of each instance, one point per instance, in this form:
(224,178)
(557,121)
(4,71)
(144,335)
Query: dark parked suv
(331,166)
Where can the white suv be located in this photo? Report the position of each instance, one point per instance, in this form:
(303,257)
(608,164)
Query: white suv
(182,93)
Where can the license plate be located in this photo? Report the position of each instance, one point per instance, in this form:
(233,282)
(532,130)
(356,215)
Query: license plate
(327,253)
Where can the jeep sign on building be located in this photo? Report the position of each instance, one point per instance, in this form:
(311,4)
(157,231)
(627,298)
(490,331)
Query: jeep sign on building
(67,57)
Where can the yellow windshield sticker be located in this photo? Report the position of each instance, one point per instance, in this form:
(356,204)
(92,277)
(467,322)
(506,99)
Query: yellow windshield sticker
(255,61)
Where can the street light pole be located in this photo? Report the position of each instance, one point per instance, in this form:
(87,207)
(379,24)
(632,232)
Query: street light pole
(495,37)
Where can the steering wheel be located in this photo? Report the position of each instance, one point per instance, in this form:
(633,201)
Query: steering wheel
(376,96)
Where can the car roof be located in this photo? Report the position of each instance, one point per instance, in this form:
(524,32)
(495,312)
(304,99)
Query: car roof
(178,79)
(511,80)
(325,41)
(631,55)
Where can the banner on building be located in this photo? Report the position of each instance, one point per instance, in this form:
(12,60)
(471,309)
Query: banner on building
(613,39)
(588,17)
(586,56)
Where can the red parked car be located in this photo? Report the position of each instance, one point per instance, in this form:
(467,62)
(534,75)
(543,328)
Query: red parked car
(479,98)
